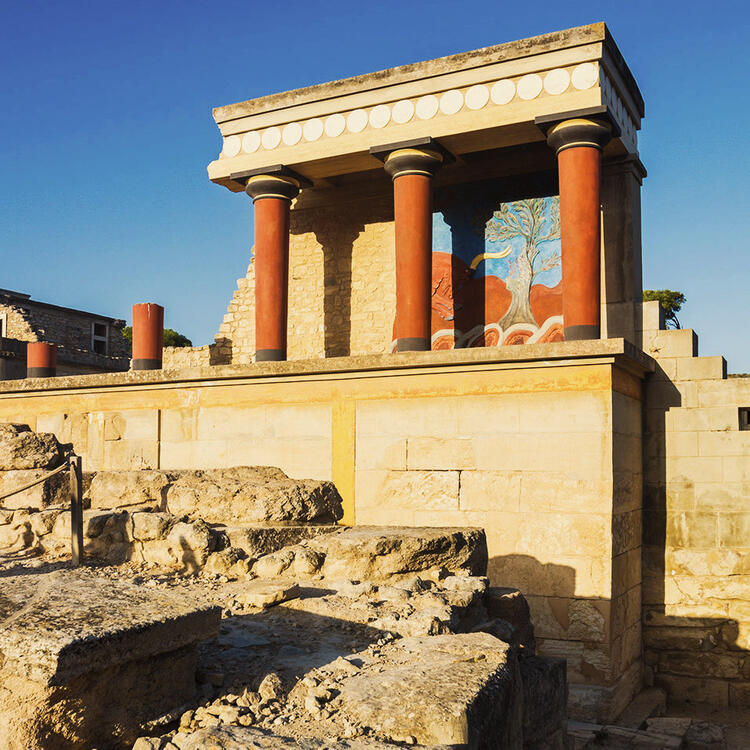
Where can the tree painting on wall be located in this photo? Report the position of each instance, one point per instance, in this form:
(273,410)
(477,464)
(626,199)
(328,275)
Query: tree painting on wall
(497,277)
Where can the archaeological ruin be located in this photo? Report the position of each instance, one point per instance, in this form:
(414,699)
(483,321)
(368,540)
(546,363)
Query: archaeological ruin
(442,480)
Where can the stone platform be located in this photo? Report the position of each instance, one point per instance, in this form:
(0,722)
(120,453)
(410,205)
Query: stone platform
(84,661)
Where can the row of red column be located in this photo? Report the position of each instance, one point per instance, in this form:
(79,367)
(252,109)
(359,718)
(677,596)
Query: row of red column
(148,344)
(578,143)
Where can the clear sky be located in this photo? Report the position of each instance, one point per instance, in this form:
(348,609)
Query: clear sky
(106,130)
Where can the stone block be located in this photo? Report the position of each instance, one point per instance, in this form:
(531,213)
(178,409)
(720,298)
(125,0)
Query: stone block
(692,529)
(671,343)
(626,531)
(381,453)
(20,448)
(734,530)
(694,468)
(453,690)
(568,534)
(736,468)
(731,444)
(423,490)
(701,368)
(490,491)
(510,605)
(739,694)
(116,657)
(256,541)
(53,491)
(430,453)
(368,553)
(148,526)
(704,419)
(550,491)
(118,489)
(626,571)
(252,495)
(130,454)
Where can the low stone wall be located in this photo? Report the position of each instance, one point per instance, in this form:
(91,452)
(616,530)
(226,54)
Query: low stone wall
(179,357)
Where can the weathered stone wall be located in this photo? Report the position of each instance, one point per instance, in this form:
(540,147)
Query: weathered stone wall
(177,357)
(696,554)
(342,286)
(17,323)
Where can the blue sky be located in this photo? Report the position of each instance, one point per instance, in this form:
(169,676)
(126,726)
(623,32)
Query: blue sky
(106,130)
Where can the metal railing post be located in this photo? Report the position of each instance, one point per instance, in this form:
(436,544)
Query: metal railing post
(76,510)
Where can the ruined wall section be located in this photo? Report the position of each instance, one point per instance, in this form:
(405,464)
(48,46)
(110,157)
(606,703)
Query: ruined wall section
(178,357)
(342,286)
(696,553)
(18,323)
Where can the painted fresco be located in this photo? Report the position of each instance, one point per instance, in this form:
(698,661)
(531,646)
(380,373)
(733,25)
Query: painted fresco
(496,274)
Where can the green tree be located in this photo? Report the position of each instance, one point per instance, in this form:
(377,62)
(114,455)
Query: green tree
(171,337)
(670,301)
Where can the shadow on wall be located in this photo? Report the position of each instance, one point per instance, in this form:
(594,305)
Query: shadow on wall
(221,352)
(695,659)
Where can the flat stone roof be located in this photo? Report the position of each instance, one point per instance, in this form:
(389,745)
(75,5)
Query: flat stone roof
(619,351)
(472,101)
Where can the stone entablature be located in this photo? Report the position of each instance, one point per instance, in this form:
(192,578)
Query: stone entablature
(488,98)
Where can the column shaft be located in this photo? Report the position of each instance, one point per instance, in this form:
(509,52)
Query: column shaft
(580,229)
(148,336)
(271,277)
(41,359)
(412,195)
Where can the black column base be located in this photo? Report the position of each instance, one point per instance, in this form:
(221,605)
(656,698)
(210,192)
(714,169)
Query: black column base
(146,364)
(40,372)
(581,333)
(270,355)
(413,345)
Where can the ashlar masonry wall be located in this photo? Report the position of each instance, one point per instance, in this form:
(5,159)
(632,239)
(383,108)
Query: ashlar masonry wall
(696,541)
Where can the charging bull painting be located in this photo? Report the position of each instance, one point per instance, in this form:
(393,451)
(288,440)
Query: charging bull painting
(496,274)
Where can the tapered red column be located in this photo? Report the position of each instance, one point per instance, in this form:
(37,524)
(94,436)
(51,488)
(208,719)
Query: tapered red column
(148,336)
(41,360)
(272,196)
(578,143)
(412,171)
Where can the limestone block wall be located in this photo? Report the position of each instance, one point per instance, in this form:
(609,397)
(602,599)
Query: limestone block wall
(17,323)
(696,553)
(342,286)
(177,357)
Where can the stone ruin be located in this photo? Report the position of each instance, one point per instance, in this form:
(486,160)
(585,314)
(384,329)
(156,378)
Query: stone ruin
(227,609)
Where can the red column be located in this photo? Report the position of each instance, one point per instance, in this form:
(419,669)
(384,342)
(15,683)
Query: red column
(41,359)
(148,336)
(578,143)
(412,171)
(272,196)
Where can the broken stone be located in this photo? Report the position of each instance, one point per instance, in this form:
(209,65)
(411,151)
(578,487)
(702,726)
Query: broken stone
(451,689)
(253,494)
(510,605)
(191,544)
(230,562)
(145,489)
(53,491)
(380,553)
(271,688)
(263,594)
(20,448)
(148,526)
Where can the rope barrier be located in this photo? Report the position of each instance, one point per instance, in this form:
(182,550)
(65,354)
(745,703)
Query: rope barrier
(34,482)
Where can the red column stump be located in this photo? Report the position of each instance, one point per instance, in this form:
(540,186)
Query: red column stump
(148,336)
(41,359)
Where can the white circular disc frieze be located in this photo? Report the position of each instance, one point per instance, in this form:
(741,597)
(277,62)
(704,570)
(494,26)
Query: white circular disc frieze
(403,111)
(584,76)
(271,138)
(477,96)
(356,122)
(503,91)
(451,102)
(335,125)
(530,86)
(312,129)
(232,145)
(380,116)
(250,142)
(291,134)
(427,107)
(556,81)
